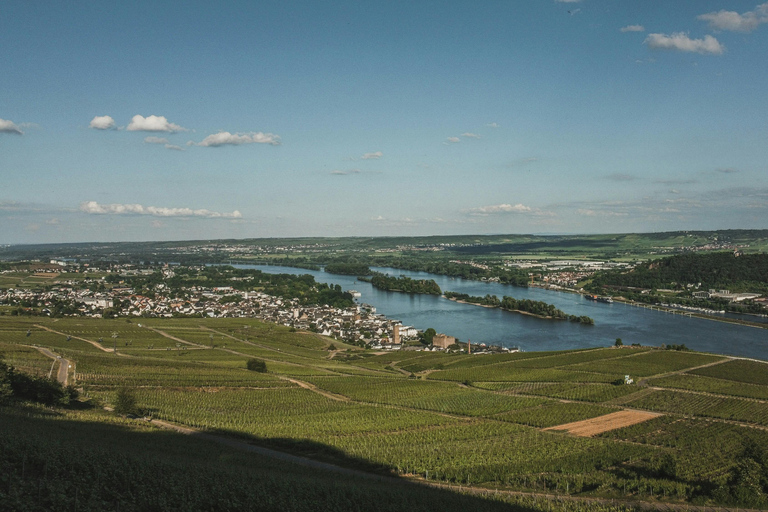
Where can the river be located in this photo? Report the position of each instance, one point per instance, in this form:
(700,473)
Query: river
(493,326)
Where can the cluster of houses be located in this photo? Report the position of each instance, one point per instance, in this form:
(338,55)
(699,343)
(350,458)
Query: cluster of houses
(359,324)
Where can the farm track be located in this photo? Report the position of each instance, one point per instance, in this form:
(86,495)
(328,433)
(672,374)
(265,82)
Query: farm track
(62,375)
(95,344)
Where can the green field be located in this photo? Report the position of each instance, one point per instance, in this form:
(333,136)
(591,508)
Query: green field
(448,419)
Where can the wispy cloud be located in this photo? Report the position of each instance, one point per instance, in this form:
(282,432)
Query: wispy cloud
(7,126)
(499,209)
(237,139)
(733,21)
(453,140)
(633,28)
(679,41)
(493,125)
(94,208)
(103,123)
(152,124)
(599,213)
(727,170)
(372,156)
(339,172)
(163,141)
(471,135)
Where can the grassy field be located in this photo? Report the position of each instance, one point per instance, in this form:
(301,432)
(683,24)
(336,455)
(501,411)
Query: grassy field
(469,420)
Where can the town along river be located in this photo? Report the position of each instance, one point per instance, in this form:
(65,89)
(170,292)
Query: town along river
(493,326)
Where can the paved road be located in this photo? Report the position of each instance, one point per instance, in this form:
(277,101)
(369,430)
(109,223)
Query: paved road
(63,373)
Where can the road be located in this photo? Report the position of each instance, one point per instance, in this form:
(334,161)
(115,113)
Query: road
(63,374)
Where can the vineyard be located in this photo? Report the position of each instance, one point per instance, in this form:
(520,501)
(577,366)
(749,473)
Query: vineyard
(469,420)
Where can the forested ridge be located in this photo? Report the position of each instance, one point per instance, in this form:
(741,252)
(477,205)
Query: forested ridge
(719,270)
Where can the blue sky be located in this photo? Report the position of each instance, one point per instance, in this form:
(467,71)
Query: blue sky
(193,120)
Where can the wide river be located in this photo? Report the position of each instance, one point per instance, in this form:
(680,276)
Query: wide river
(493,326)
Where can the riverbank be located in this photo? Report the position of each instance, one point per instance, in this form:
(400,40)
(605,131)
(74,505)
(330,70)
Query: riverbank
(654,307)
(691,314)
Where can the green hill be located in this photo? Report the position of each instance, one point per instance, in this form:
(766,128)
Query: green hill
(480,422)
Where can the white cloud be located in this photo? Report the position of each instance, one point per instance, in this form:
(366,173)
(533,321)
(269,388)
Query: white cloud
(236,139)
(601,213)
(633,28)
(372,156)
(174,147)
(679,41)
(153,124)
(156,140)
(568,1)
(731,20)
(492,125)
(470,135)
(453,140)
(94,208)
(7,126)
(499,209)
(103,123)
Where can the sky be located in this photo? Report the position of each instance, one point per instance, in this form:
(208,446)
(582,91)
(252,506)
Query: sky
(134,121)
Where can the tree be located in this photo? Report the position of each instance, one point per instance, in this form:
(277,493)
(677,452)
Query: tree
(125,401)
(619,343)
(256,365)
(426,336)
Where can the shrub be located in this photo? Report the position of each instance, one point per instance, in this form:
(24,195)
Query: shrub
(256,365)
(125,402)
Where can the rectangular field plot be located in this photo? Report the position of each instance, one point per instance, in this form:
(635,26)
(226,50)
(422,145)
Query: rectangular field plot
(440,397)
(712,385)
(751,372)
(287,413)
(583,392)
(555,413)
(601,354)
(470,361)
(695,404)
(605,423)
(110,370)
(706,450)
(647,364)
(486,452)
(508,372)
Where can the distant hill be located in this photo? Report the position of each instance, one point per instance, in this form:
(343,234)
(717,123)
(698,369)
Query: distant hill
(718,270)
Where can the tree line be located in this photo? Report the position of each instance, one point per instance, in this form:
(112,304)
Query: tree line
(533,307)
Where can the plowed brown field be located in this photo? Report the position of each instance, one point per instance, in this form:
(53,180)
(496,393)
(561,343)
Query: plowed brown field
(594,426)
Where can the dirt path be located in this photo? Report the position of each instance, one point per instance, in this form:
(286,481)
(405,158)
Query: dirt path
(63,374)
(97,345)
(315,389)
